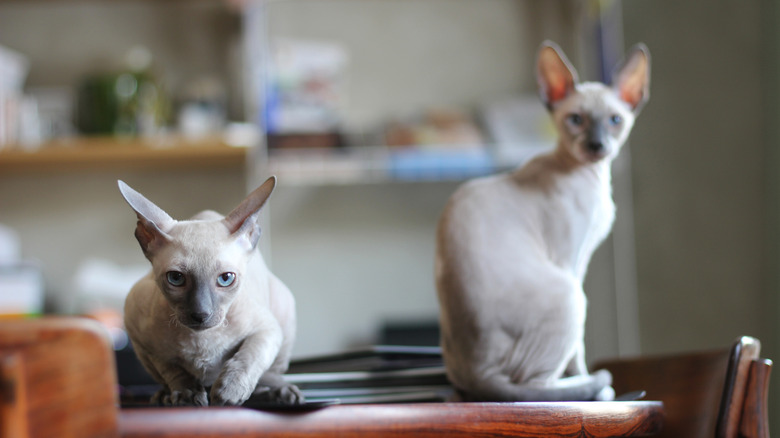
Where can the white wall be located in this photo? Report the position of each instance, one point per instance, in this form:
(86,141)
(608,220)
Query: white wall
(355,257)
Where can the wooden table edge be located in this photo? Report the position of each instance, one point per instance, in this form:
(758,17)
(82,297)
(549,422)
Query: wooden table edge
(524,419)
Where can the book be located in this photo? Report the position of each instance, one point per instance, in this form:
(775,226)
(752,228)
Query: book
(377,374)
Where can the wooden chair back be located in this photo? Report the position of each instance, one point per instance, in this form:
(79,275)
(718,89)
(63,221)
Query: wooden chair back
(57,379)
(719,393)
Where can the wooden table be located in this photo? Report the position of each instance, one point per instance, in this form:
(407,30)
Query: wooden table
(57,379)
(568,419)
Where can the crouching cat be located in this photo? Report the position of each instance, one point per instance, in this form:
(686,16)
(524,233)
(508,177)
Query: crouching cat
(210,313)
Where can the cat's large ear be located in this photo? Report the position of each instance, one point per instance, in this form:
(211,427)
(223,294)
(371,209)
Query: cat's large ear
(554,74)
(153,222)
(243,221)
(631,80)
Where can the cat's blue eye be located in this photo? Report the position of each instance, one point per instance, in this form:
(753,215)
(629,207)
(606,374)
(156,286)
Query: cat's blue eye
(175,278)
(576,119)
(226,279)
(615,120)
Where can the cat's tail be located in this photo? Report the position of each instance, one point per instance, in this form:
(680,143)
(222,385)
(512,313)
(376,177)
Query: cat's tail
(595,386)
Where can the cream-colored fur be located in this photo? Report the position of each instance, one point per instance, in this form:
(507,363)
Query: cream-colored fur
(229,325)
(513,249)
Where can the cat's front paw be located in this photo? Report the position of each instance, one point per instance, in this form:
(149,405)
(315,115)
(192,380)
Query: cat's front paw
(186,397)
(606,394)
(603,377)
(604,380)
(289,395)
(286,394)
(158,399)
(230,391)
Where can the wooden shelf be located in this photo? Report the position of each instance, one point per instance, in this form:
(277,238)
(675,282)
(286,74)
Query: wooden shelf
(115,153)
(356,165)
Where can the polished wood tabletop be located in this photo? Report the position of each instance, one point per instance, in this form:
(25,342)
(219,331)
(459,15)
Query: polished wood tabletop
(543,419)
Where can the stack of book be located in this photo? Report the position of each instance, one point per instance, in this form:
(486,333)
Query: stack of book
(378,374)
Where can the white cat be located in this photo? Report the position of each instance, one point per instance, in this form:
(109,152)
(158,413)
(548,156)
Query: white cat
(513,249)
(210,313)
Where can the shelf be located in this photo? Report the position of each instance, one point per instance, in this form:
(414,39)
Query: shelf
(361,165)
(115,153)
(365,165)
(353,165)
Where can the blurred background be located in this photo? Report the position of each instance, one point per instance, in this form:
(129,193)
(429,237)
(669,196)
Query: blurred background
(371,113)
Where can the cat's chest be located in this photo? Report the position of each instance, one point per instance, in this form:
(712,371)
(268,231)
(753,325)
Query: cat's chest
(204,354)
(576,221)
